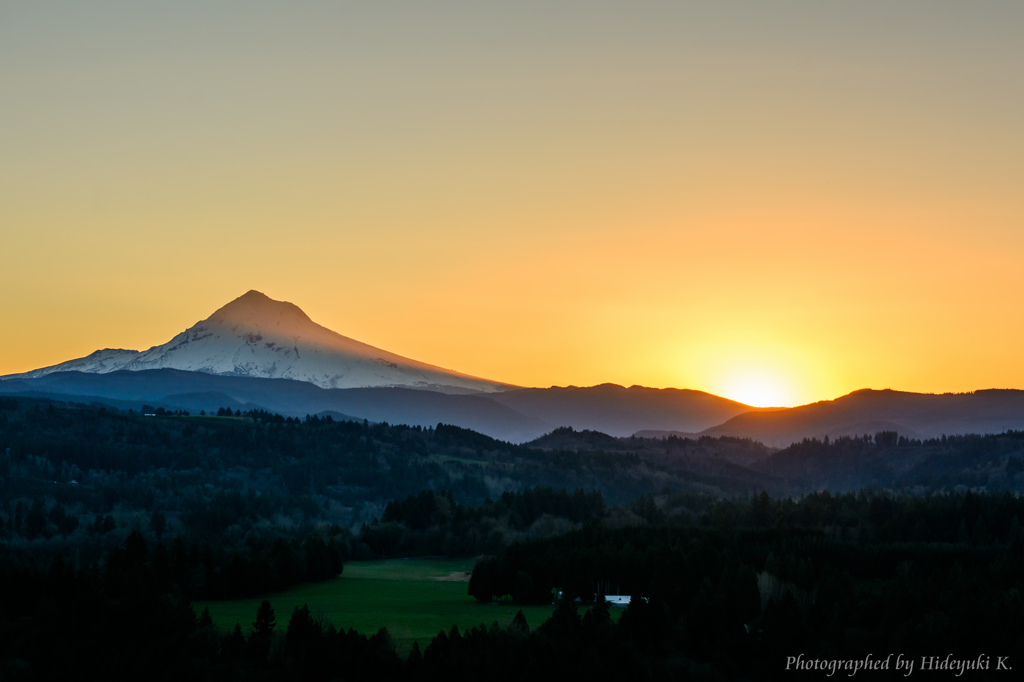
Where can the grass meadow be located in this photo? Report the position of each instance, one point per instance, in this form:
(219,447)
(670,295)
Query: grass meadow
(413,598)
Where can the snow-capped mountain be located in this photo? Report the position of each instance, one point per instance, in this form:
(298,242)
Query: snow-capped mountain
(256,336)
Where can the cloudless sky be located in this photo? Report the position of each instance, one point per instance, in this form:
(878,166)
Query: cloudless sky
(779,202)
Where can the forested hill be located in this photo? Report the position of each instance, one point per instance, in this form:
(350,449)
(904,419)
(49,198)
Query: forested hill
(76,477)
(72,474)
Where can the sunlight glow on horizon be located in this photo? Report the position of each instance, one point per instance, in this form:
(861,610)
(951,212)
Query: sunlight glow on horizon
(757,389)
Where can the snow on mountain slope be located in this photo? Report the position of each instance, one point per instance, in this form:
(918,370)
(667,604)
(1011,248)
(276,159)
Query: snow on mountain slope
(257,336)
(98,362)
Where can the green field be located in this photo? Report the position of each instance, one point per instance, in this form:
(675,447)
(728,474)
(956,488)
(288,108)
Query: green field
(413,598)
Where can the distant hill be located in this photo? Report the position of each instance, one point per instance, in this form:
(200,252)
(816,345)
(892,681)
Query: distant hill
(567,438)
(914,415)
(621,411)
(515,416)
(195,391)
(526,414)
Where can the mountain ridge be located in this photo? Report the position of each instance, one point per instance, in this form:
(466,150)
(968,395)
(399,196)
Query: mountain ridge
(866,411)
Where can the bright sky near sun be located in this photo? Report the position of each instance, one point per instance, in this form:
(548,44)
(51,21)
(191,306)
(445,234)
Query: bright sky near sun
(778,202)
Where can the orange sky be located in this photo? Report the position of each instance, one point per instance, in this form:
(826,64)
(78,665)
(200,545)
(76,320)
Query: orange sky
(774,204)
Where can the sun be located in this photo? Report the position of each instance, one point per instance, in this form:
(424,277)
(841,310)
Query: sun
(756,369)
(757,388)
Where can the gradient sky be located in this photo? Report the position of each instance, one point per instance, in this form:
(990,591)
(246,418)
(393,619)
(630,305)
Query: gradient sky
(810,197)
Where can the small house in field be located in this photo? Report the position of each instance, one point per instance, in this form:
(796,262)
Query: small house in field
(620,600)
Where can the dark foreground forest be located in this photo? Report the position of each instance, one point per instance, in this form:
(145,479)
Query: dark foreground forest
(112,523)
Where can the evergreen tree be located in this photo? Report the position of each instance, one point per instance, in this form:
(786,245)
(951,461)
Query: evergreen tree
(262,631)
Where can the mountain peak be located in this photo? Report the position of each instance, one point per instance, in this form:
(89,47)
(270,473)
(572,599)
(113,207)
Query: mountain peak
(257,309)
(253,295)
